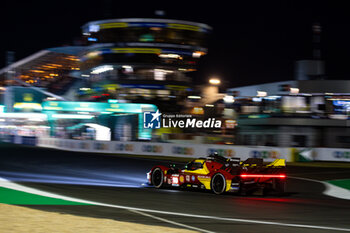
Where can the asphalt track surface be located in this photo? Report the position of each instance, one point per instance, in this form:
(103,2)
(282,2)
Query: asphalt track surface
(118,181)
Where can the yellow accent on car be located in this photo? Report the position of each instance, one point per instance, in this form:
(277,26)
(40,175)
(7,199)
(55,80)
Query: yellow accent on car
(200,171)
(205,182)
(228,185)
(278,163)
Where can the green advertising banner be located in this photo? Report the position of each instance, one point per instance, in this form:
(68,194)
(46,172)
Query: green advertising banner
(69,106)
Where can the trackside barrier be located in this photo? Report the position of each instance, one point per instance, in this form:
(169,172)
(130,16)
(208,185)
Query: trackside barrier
(269,154)
(165,149)
(17,139)
(320,154)
(333,154)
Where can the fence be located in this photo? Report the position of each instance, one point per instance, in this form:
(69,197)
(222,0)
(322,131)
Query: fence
(185,150)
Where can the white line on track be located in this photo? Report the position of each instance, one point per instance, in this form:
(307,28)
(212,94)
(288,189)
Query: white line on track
(7,184)
(170,222)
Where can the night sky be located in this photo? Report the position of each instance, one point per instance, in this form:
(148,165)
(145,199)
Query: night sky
(252,41)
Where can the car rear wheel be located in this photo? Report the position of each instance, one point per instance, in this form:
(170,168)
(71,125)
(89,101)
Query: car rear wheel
(157,177)
(218,183)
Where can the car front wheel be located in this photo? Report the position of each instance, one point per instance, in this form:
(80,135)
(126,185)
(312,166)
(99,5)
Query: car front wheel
(157,177)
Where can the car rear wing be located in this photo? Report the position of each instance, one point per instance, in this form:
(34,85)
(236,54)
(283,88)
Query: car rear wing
(258,162)
(253,162)
(277,163)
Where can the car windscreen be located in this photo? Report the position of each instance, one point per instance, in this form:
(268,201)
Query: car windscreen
(193,166)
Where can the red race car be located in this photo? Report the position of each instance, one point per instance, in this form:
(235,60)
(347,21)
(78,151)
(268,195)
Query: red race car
(219,174)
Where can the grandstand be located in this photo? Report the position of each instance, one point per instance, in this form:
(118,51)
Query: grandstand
(54,69)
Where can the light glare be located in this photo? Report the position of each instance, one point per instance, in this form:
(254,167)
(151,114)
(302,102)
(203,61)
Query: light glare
(214,81)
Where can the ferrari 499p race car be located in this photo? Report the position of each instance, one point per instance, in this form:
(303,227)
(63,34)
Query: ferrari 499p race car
(219,174)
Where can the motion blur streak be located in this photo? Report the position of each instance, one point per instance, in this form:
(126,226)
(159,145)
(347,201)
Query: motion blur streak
(278,200)
(263,176)
(122,181)
(7,184)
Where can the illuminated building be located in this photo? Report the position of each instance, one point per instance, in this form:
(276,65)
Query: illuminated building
(49,68)
(142,60)
(295,113)
(138,61)
(132,60)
